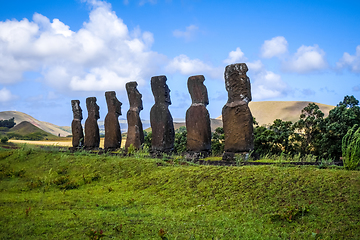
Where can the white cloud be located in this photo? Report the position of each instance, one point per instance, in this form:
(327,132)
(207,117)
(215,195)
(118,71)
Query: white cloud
(102,55)
(235,56)
(188,34)
(268,85)
(255,66)
(352,62)
(187,66)
(306,59)
(265,84)
(274,47)
(6,95)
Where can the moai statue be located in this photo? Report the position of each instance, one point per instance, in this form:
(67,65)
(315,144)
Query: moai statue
(198,119)
(112,127)
(163,134)
(236,115)
(135,134)
(92,136)
(76,127)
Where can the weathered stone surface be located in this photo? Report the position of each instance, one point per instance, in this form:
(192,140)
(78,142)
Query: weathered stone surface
(76,127)
(112,127)
(92,136)
(238,128)
(237,83)
(197,117)
(236,115)
(135,134)
(197,90)
(161,121)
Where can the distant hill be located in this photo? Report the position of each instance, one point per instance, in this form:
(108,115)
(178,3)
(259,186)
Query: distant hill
(266,112)
(25,127)
(47,127)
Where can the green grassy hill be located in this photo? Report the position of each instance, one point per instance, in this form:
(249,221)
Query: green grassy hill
(59,195)
(26,128)
(47,127)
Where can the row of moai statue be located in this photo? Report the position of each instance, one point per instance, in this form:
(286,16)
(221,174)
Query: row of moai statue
(236,115)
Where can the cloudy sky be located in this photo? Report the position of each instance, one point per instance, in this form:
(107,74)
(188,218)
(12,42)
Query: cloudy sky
(55,51)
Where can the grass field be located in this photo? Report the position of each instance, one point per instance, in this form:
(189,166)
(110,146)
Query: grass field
(47,194)
(61,142)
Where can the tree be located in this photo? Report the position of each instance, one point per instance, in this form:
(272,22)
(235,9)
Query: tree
(310,127)
(8,123)
(278,138)
(344,116)
(351,148)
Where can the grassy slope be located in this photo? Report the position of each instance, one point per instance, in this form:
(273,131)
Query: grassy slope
(136,197)
(25,127)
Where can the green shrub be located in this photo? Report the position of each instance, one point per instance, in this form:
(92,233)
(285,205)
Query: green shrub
(218,142)
(14,135)
(131,150)
(147,139)
(351,148)
(4,139)
(180,140)
(34,136)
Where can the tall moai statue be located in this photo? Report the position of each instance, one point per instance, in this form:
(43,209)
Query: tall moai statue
(135,134)
(236,115)
(92,136)
(76,127)
(163,134)
(198,118)
(112,127)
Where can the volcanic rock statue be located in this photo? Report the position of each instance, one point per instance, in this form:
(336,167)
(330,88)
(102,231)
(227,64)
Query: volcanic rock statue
(112,127)
(76,128)
(236,115)
(135,134)
(161,121)
(198,119)
(92,136)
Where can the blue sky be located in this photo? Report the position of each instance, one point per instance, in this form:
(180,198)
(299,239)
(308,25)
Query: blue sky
(55,51)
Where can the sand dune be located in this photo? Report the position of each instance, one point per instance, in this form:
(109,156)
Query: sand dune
(266,112)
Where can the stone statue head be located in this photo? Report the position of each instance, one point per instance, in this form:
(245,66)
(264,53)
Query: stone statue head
(237,83)
(77,111)
(135,98)
(160,90)
(92,107)
(114,105)
(197,89)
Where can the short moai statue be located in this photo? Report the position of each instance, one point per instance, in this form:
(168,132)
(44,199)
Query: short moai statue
(76,127)
(236,115)
(135,134)
(198,119)
(92,136)
(163,134)
(112,127)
